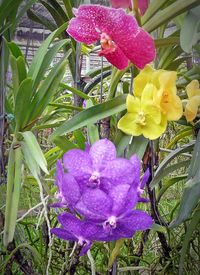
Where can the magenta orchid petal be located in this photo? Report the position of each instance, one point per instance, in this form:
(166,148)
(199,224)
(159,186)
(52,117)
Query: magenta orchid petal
(121,4)
(143,5)
(102,152)
(138,47)
(119,171)
(78,163)
(119,34)
(116,58)
(83,31)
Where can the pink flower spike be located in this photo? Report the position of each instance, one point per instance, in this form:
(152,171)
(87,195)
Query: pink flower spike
(119,34)
(143,4)
(121,4)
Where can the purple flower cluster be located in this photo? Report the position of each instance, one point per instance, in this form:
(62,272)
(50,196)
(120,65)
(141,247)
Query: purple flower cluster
(103,191)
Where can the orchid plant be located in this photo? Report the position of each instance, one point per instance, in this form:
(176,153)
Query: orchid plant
(103,174)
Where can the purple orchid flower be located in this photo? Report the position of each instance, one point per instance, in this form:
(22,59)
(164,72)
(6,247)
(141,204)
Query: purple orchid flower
(98,167)
(68,189)
(119,34)
(139,185)
(74,229)
(114,211)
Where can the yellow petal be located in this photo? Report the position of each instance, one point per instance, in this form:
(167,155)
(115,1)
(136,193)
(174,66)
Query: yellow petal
(153,130)
(133,104)
(173,109)
(141,80)
(152,111)
(127,125)
(147,93)
(191,108)
(193,88)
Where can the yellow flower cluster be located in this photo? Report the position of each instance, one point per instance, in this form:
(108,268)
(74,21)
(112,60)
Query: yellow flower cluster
(155,102)
(193,102)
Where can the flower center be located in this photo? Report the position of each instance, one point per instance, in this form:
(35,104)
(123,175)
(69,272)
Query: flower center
(140,119)
(107,43)
(94,180)
(111,223)
(165,97)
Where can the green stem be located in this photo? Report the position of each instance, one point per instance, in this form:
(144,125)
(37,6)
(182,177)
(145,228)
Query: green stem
(13,191)
(10,183)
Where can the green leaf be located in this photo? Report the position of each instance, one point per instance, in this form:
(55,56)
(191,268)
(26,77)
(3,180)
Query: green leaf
(30,161)
(122,142)
(92,129)
(153,7)
(41,53)
(80,139)
(169,13)
(92,115)
(168,159)
(35,150)
(165,171)
(22,102)
(64,144)
(47,89)
(187,237)
(191,193)
(169,183)
(54,13)
(116,251)
(50,55)
(190,31)
(138,146)
(41,19)
(74,91)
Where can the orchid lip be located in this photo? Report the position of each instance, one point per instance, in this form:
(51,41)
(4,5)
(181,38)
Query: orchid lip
(110,223)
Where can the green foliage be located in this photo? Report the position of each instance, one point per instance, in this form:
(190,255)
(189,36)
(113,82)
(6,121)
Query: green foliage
(46,123)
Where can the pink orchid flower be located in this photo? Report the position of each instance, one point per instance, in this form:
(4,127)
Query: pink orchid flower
(143,4)
(119,34)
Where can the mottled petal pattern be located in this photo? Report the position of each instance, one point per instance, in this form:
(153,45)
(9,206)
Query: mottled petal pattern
(132,42)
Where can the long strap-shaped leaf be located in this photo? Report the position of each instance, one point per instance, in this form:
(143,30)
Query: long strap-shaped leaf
(13,192)
(92,115)
(191,194)
(178,7)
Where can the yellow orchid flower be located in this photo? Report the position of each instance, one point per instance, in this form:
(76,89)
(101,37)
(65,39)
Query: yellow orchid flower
(193,102)
(143,117)
(165,95)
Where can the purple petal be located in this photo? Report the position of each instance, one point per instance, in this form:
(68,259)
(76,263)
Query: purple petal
(78,163)
(85,248)
(136,163)
(97,202)
(121,3)
(70,189)
(63,234)
(119,171)
(70,223)
(83,210)
(59,173)
(102,152)
(145,178)
(124,199)
(137,220)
